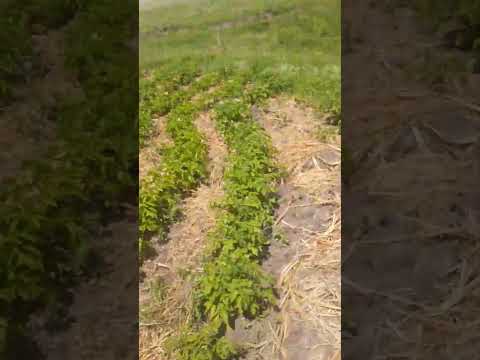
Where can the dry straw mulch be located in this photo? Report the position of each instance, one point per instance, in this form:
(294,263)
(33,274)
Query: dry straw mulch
(309,218)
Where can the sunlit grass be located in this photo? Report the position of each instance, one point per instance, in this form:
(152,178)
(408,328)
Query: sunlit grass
(299,40)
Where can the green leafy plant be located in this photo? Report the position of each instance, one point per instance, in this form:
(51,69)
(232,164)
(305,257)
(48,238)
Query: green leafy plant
(204,344)
(233,283)
(231,289)
(184,163)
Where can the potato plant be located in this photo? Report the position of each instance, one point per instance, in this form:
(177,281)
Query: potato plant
(183,167)
(233,283)
(183,164)
(19,17)
(159,93)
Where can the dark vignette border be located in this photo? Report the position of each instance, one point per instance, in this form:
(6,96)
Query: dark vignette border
(69,209)
(410,172)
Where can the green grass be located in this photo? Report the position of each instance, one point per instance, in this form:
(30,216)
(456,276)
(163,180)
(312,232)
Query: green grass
(297,40)
(207,12)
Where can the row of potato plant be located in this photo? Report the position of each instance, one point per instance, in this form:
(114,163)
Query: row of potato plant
(158,100)
(160,91)
(232,283)
(48,212)
(184,163)
(20,20)
(182,168)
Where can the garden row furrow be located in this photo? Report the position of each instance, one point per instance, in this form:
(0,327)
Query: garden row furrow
(232,283)
(184,163)
(163,90)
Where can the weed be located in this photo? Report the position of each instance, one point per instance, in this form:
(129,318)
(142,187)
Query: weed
(280,237)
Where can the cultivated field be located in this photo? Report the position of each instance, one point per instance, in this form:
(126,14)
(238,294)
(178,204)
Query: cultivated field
(240,180)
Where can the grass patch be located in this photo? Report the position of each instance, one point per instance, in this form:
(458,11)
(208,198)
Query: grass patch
(298,41)
(158,291)
(194,14)
(326,133)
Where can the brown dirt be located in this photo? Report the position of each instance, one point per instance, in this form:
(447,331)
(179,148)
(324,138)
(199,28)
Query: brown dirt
(307,265)
(416,156)
(180,255)
(150,156)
